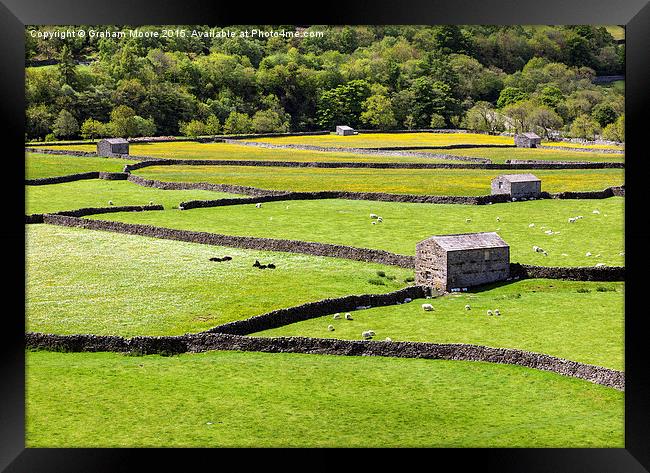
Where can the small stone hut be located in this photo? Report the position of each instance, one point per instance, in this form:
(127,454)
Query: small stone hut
(445,262)
(517,185)
(344,130)
(112,147)
(527,140)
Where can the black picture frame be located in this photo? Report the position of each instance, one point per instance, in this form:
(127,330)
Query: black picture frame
(634,14)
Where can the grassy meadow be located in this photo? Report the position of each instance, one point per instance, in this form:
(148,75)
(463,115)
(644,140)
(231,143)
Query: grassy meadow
(85,281)
(347,222)
(38,165)
(234,399)
(464,182)
(539,315)
(98,193)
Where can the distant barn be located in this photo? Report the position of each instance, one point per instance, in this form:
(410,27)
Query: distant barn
(445,262)
(112,147)
(517,185)
(344,130)
(527,140)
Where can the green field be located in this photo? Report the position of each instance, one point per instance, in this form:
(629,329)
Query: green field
(85,281)
(539,315)
(98,193)
(39,165)
(466,182)
(233,399)
(347,222)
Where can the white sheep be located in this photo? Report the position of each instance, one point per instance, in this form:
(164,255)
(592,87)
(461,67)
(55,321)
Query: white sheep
(498,219)
(536,248)
(622,253)
(373,216)
(549,232)
(564,254)
(379,219)
(468,220)
(348,316)
(496,312)
(330,328)
(258,205)
(151,202)
(514,199)
(531,225)
(489,312)
(367,334)
(110,202)
(572,220)
(427,307)
(467,307)
(374,223)
(596,212)
(588,253)
(336,316)
(600,265)
(388,339)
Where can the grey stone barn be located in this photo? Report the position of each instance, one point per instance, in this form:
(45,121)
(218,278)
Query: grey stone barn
(517,185)
(112,147)
(344,130)
(527,140)
(445,262)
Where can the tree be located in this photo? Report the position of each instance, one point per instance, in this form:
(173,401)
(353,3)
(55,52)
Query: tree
(39,121)
(237,123)
(65,125)
(545,119)
(91,129)
(551,96)
(66,67)
(437,121)
(483,117)
(615,131)
(584,127)
(431,97)
(343,104)
(604,114)
(269,121)
(519,113)
(122,122)
(511,95)
(193,128)
(213,126)
(378,113)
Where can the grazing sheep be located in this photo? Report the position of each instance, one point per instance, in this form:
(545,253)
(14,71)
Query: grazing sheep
(531,225)
(572,220)
(498,219)
(258,205)
(388,339)
(373,216)
(330,328)
(348,316)
(622,253)
(496,312)
(549,232)
(596,212)
(467,307)
(427,307)
(151,202)
(367,335)
(379,219)
(110,202)
(468,220)
(536,248)
(600,265)
(588,253)
(337,316)
(489,312)
(374,223)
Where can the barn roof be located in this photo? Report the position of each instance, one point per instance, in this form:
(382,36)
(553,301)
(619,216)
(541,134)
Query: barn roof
(115,141)
(468,241)
(518,177)
(531,135)
(344,127)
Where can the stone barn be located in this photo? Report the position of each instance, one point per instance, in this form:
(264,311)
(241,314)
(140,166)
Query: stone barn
(455,261)
(112,147)
(517,185)
(345,130)
(527,140)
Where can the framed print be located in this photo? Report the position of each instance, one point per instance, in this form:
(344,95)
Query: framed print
(397,227)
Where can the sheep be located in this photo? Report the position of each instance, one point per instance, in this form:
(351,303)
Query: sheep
(151,202)
(337,316)
(348,316)
(549,232)
(572,220)
(258,205)
(407,300)
(600,265)
(468,220)
(467,307)
(531,225)
(374,223)
(622,253)
(110,202)
(427,307)
(368,334)
(514,199)
(379,219)
(588,253)
(496,312)
(388,339)
(373,216)
(498,219)
(489,312)
(564,254)
(330,328)
(596,212)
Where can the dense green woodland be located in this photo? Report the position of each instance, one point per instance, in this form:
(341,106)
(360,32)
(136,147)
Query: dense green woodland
(487,78)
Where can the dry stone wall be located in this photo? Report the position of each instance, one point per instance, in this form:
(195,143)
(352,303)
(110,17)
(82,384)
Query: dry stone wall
(221,341)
